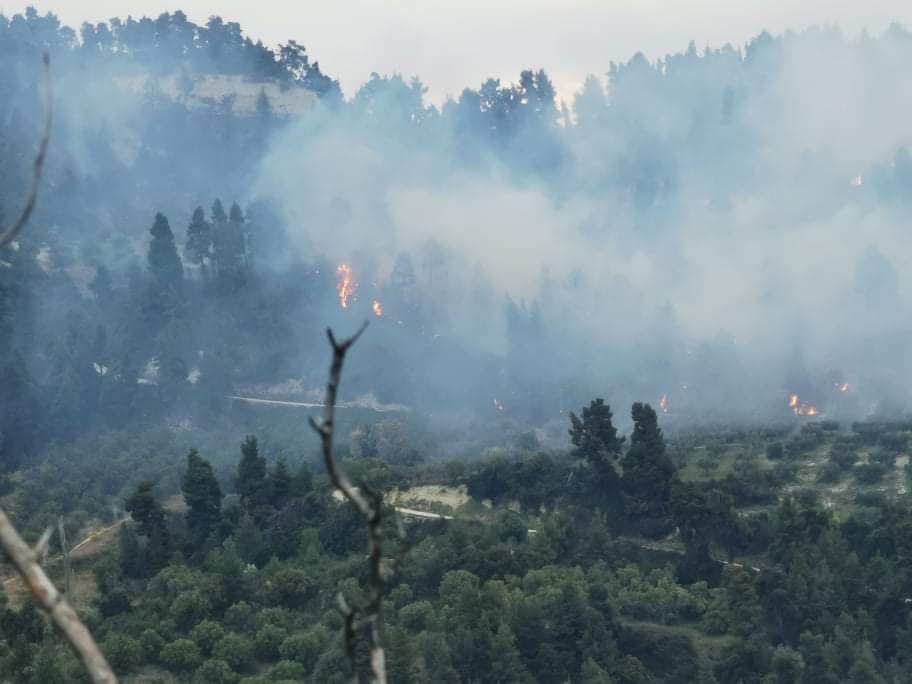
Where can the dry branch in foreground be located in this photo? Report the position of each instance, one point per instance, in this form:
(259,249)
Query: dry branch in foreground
(8,235)
(53,602)
(369,504)
(23,558)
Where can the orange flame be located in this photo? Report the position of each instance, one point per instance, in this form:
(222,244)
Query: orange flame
(800,408)
(663,403)
(378,308)
(345,284)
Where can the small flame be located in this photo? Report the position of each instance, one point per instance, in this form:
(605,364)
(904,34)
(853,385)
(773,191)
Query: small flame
(800,408)
(663,403)
(841,386)
(346,285)
(377,307)
(499,406)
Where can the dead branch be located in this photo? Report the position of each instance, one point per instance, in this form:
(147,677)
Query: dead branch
(26,560)
(54,603)
(10,234)
(369,504)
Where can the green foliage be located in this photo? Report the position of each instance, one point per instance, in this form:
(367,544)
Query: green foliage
(594,435)
(181,655)
(123,653)
(203,497)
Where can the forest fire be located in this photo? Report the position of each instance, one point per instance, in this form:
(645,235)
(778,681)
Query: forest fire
(377,308)
(663,403)
(346,285)
(800,408)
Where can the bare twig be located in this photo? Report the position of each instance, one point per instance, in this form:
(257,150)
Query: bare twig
(23,558)
(370,505)
(10,233)
(52,601)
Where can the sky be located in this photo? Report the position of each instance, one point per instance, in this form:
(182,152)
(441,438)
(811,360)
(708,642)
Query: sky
(452,44)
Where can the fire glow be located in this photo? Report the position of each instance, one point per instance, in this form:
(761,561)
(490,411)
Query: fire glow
(663,403)
(800,408)
(841,386)
(345,284)
(377,308)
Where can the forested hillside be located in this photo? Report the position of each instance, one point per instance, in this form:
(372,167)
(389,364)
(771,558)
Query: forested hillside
(715,240)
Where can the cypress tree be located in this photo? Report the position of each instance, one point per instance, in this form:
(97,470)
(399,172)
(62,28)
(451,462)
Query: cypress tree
(164,262)
(251,473)
(199,239)
(203,497)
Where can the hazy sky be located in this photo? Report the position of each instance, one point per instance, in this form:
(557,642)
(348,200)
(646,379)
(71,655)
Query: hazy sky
(451,44)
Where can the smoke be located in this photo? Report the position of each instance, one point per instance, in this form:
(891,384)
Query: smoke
(717,214)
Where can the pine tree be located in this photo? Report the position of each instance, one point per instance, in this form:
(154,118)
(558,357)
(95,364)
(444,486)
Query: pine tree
(280,483)
(251,473)
(506,664)
(164,262)
(594,435)
(144,508)
(199,240)
(150,517)
(648,472)
(203,497)
(591,673)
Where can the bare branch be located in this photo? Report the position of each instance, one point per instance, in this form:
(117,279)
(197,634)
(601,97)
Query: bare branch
(53,602)
(10,234)
(369,504)
(25,559)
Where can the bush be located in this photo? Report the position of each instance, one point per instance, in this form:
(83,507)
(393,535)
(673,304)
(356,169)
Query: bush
(829,473)
(287,671)
(869,473)
(785,472)
(268,640)
(123,653)
(289,587)
(774,451)
(305,648)
(206,634)
(151,643)
(870,499)
(234,650)
(842,456)
(181,655)
(215,672)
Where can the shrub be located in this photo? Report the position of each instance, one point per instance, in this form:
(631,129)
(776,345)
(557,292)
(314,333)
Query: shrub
(151,643)
(268,640)
(869,473)
(829,473)
(305,648)
(774,451)
(205,634)
(123,653)
(234,650)
(215,672)
(181,655)
(287,671)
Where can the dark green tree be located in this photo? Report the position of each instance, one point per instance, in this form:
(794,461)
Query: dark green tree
(203,497)
(199,240)
(251,473)
(648,472)
(280,483)
(164,261)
